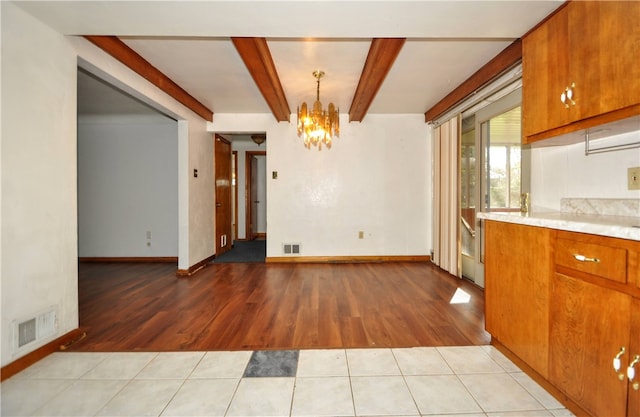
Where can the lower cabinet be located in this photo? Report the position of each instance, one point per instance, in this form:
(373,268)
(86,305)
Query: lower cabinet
(518,266)
(589,326)
(633,393)
(568,305)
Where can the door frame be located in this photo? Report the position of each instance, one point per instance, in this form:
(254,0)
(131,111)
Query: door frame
(249,234)
(234,187)
(502,105)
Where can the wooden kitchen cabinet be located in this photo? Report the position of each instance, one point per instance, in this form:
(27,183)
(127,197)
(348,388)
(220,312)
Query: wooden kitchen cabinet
(633,393)
(589,49)
(518,268)
(594,315)
(545,68)
(589,326)
(565,304)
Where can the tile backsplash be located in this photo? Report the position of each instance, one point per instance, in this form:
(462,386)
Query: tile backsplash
(629,207)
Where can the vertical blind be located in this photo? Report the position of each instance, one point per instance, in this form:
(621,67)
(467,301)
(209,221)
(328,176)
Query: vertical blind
(446,210)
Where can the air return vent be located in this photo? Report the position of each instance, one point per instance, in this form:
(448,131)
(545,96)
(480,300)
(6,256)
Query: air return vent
(26,332)
(291,248)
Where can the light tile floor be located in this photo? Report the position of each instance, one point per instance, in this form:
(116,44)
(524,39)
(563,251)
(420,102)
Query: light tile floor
(452,381)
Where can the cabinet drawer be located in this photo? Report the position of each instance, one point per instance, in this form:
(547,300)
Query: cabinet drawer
(596,259)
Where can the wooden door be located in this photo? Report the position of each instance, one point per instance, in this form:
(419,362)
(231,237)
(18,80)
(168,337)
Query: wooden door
(589,325)
(223,194)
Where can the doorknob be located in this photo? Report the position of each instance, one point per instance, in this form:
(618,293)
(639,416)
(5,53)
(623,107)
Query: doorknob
(256,202)
(218,204)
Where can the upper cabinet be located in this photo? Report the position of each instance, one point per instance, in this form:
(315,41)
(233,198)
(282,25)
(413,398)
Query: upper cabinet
(580,68)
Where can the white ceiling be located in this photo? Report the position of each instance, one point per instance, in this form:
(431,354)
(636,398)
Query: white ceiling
(189,41)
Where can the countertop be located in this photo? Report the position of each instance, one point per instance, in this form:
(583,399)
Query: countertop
(605,225)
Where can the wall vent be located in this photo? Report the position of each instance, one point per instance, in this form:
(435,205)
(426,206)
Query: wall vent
(291,249)
(35,329)
(26,332)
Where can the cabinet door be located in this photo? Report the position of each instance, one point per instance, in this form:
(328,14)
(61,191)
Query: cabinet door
(594,45)
(589,325)
(545,68)
(633,404)
(518,268)
(604,50)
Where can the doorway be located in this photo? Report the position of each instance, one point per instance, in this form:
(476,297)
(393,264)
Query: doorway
(492,168)
(256,195)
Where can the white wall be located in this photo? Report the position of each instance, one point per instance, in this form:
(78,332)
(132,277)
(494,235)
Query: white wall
(127,186)
(376,178)
(566,172)
(39,231)
(39,170)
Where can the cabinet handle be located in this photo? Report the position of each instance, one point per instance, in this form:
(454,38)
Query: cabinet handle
(616,361)
(563,99)
(631,370)
(567,95)
(583,258)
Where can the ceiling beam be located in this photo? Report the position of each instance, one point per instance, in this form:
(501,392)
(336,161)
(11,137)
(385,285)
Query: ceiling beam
(257,58)
(119,50)
(382,54)
(505,60)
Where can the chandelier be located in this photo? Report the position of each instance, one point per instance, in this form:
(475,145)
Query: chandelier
(318,126)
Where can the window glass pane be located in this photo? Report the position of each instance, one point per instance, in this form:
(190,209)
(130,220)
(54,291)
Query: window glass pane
(498,178)
(514,185)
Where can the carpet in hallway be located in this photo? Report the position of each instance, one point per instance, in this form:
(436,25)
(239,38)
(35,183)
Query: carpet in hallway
(244,251)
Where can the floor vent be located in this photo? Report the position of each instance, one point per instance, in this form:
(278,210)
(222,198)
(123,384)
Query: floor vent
(34,329)
(291,249)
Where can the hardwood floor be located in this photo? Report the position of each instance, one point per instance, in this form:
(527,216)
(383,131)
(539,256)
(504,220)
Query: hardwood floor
(145,307)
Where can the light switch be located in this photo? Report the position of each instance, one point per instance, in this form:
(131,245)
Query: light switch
(274,175)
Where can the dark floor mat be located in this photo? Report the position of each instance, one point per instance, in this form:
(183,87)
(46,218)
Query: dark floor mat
(244,251)
(272,363)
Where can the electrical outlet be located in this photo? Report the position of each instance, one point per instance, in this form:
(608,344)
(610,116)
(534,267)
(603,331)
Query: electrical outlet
(361,235)
(633,176)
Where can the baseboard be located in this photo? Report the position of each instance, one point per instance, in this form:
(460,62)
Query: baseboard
(182,273)
(152,259)
(346,259)
(29,359)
